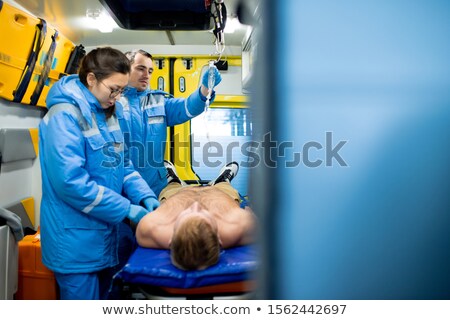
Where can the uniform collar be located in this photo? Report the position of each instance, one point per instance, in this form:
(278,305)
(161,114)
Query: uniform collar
(132,91)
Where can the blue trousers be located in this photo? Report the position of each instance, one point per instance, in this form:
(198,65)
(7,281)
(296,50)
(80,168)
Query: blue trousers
(98,285)
(85,286)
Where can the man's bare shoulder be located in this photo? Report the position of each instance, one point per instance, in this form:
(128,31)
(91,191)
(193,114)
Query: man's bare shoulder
(154,231)
(237,228)
(235,215)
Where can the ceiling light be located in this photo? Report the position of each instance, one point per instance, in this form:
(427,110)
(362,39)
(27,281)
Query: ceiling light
(101,20)
(232,24)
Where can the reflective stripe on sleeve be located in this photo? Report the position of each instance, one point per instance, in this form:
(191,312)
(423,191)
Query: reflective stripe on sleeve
(186,109)
(134,174)
(98,198)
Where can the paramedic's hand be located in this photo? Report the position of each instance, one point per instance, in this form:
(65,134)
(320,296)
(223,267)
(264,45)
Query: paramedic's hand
(136,213)
(151,203)
(217,77)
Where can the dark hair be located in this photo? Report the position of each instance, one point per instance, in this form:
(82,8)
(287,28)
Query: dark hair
(132,54)
(103,62)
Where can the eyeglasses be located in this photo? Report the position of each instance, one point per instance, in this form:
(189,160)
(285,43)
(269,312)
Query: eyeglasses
(114,92)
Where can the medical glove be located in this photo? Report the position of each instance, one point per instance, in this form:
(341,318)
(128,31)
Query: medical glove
(136,213)
(217,77)
(151,203)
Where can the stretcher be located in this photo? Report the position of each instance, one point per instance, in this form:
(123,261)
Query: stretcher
(153,274)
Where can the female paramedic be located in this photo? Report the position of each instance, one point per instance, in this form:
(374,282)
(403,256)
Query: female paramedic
(84,177)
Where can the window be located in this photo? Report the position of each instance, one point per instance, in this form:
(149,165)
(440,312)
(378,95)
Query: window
(219,137)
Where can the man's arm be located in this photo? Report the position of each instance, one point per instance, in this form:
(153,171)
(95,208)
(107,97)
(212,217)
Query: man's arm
(180,110)
(194,104)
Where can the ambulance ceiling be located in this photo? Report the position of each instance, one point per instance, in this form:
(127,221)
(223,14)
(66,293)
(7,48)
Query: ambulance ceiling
(70,18)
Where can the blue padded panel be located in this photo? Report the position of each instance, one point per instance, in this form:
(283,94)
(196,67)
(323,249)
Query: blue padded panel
(153,267)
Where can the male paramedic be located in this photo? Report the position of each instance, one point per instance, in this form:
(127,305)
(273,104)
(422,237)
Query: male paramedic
(145,114)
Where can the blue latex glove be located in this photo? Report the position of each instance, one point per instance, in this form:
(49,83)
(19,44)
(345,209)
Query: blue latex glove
(136,213)
(151,203)
(217,77)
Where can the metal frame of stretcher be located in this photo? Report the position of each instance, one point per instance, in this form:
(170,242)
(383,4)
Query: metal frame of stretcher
(233,290)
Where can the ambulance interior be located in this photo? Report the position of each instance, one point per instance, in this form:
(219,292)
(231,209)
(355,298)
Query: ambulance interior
(182,42)
(349,100)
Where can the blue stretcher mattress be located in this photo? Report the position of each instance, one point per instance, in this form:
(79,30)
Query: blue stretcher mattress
(153,267)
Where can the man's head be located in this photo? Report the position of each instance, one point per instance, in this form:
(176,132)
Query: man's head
(195,243)
(141,69)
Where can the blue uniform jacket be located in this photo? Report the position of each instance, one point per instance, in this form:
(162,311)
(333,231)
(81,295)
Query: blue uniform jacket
(83,179)
(144,117)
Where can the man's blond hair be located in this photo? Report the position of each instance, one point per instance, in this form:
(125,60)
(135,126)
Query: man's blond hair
(195,245)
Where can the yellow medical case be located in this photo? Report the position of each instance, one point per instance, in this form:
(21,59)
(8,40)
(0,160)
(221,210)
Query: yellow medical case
(18,31)
(49,67)
(33,56)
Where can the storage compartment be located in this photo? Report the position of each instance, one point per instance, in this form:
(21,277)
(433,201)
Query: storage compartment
(33,56)
(18,31)
(49,68)
(36,281)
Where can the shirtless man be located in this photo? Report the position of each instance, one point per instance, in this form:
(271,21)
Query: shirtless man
(195,222)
